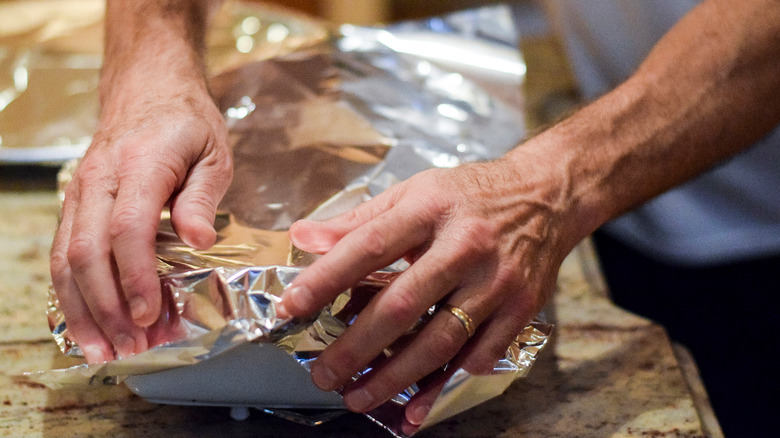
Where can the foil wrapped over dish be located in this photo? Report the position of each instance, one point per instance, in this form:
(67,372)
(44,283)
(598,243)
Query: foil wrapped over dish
(315,132)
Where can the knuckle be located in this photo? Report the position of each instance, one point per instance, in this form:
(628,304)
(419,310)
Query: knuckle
(124,218)
(71,195)
(129,219)
(88,169)
(105,316)
(401,307)
(520,307)
(485,363)
(225,167)
(506,278)
(522,300)
(136,281)
(352,216)
(442,345)
(478,233)
(443,274)
(58,262)
(436,204)
(95,173)
(390,385)
(348,363)
(220,171)
(495,353)
(82,251)
(373,243)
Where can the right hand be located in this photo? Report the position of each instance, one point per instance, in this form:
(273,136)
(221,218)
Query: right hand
(159,143)
(487,238)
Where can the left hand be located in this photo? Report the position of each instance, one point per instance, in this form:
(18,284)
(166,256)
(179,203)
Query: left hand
(488,238)
(152,149)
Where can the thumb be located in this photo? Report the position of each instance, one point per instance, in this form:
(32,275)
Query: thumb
(320,237)
(316,237)
(193,210)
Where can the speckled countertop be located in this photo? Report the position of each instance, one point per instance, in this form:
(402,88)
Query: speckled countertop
(608,373)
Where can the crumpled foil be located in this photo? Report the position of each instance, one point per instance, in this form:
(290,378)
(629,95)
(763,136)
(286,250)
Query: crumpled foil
(314,133)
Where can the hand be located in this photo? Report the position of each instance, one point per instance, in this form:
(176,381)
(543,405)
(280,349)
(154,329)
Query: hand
(487,238)
(158,144)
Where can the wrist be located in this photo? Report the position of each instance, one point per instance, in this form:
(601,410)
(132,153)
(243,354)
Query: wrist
(543,172)
(614,154)
(579,160)
(153,46)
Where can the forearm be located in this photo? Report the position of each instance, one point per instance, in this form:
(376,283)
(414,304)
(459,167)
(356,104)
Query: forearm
(710,88)
(161,141)
(152,44)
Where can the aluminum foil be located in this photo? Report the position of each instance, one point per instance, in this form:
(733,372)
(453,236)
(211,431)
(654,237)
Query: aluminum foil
(316,132)
(50,58)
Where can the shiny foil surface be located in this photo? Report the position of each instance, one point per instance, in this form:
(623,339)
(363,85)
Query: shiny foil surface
(316,131)
(50,57)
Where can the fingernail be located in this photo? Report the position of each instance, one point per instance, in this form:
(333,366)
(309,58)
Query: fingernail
(124,345)
(281,311)
(95,354)
(205,238)
(303,222)
(418,414)
(300,296)
(138,308)
(323,377)
(359,400)
(202,238)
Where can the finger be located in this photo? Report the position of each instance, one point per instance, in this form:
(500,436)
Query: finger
(135,218)
(496,334)
(436,345)
(372,246)
(419,406)
(89,256)
(463,269)
(195,207)
(85,332)
(443,340)
(478,356)
(82,328)
(316,237)
(389,315)
(319,237)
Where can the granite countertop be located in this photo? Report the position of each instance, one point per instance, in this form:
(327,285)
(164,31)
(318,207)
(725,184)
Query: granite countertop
(607,372)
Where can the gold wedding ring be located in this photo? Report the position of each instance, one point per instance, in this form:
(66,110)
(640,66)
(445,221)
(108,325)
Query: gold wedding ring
(463,317)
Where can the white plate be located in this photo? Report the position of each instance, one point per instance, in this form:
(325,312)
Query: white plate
(256,375)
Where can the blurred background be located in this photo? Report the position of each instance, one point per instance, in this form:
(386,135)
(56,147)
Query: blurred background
(550,91)
(377,11)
